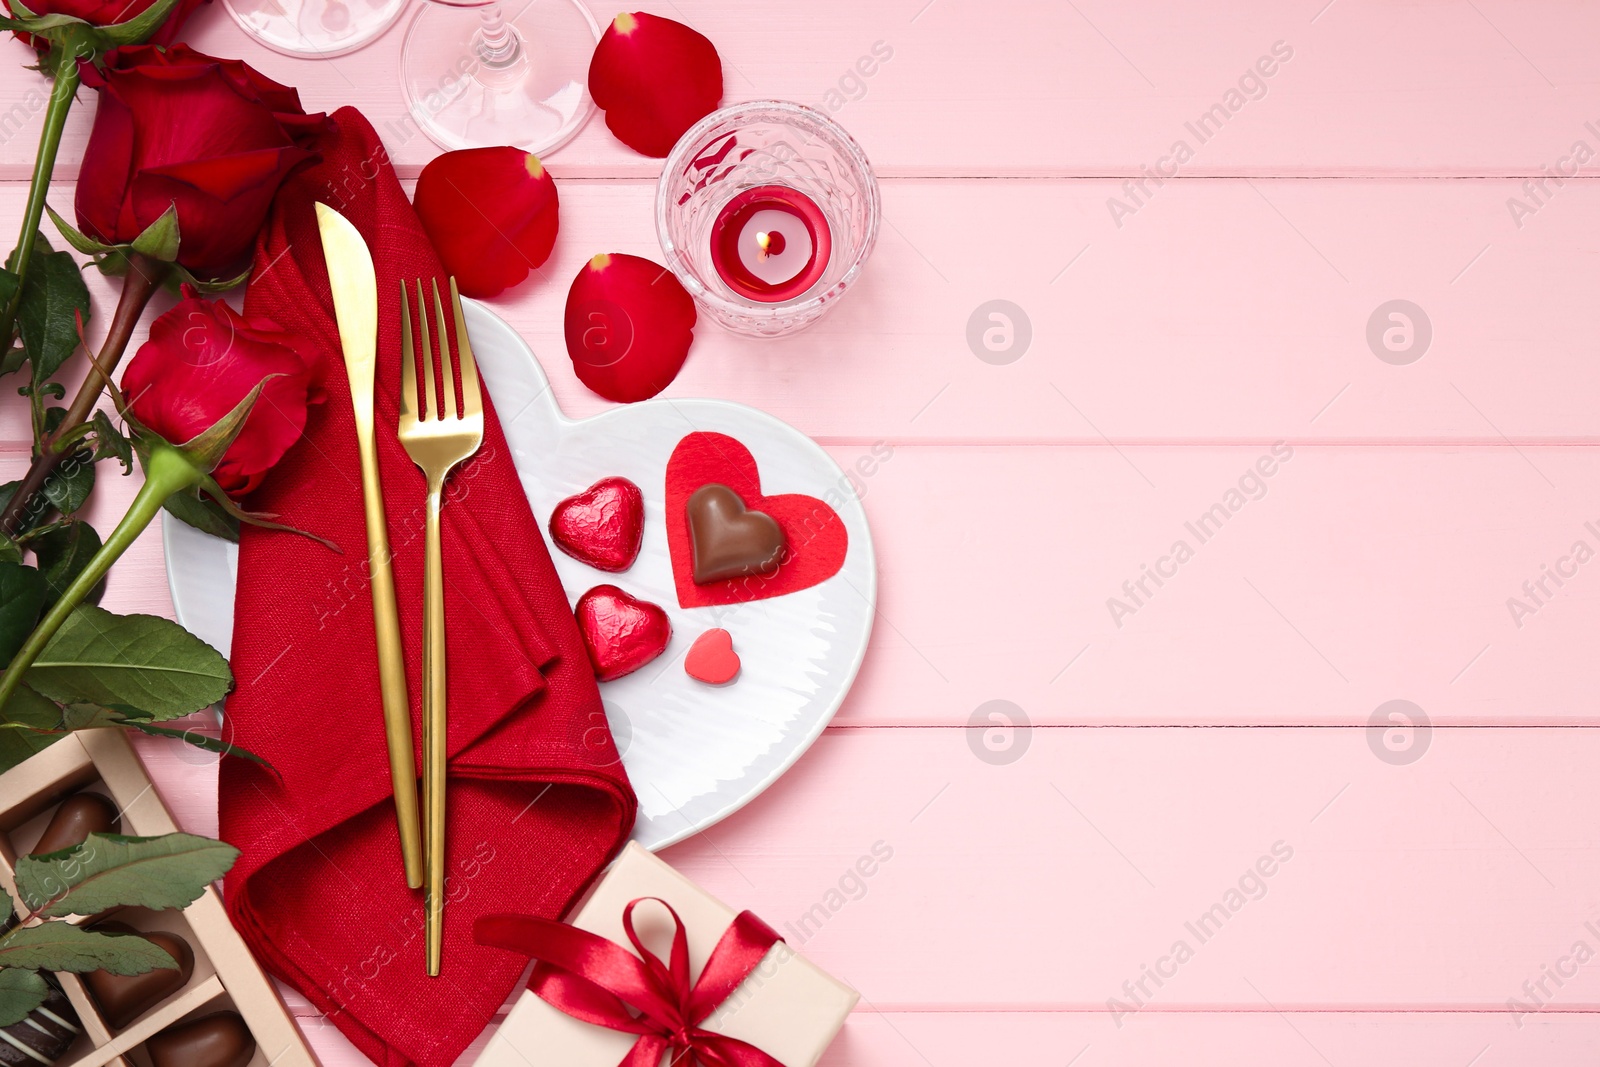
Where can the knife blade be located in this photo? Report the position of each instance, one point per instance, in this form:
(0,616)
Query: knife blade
(355,304)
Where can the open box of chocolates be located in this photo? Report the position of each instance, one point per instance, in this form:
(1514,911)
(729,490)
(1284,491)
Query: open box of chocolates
(217,1010)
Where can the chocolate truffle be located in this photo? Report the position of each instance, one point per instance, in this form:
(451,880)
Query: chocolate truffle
(217,1040)
(77,818)
(43,1036)
(122,998)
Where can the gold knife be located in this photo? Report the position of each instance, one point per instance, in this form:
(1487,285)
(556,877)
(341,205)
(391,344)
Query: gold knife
(355,304)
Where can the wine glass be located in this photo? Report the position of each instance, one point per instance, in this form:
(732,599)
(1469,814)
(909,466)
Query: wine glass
(478,73)
(317,28)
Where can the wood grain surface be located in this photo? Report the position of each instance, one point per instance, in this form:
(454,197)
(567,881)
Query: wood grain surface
(1082,749)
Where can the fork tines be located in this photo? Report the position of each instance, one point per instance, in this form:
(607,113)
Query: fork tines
(438,400)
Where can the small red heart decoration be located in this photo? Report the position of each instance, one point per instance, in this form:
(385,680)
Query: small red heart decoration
(815,538)
(601,526)
(711,658)
(621,632)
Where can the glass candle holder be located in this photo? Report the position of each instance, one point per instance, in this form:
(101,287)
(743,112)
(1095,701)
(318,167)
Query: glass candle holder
(767,212)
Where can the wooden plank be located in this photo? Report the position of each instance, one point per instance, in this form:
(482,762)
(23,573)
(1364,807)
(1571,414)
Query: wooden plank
(1051,881)
(1347,579)
(1294,1039)
(972,88)
(1222,311)
(1045,883)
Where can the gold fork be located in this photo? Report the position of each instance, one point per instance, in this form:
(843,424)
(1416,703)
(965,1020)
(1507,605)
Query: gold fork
(436,437)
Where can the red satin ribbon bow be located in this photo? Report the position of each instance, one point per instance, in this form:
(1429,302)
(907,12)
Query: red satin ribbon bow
(597,981)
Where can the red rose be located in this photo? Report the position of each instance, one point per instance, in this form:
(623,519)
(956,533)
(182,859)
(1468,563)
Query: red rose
(202,358)
(212,136)
(107,13)
(492,213)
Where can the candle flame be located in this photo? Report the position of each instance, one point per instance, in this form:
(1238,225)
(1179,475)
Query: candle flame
(771,244)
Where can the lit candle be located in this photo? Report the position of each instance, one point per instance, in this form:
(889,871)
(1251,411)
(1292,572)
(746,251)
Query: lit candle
(771,243)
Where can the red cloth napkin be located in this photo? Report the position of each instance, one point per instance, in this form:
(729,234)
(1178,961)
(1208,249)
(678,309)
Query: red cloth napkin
(538,799)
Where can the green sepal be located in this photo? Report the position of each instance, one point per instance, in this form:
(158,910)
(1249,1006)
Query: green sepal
(72,38)
(113,259)
(74,236)
(159,240)
(141,27)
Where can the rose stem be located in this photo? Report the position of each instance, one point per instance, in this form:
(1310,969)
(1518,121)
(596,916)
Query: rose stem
(55,120)
(143,279)
(166,471)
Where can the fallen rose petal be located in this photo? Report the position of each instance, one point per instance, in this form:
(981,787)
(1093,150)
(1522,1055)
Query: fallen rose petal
(654,78)
(491,213)
(629,324)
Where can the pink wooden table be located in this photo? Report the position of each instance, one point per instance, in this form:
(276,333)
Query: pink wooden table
(1429,887)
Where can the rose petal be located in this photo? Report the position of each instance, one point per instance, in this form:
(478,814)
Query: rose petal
(222,203)
(492,214)
(629,324)
(654,78)
(102,188)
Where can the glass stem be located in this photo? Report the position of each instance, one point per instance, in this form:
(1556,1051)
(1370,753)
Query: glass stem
(498,45)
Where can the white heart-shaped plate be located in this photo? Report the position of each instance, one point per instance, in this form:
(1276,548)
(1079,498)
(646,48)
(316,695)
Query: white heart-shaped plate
(695,753)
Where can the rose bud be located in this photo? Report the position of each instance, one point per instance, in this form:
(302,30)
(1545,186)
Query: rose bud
(491,213)
(654,78)
(212,136)
(107,13)
(628,325)
(201,360)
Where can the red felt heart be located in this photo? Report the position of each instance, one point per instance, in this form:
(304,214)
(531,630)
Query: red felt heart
(601,526)
(712,659)
(815,537)
(621,632)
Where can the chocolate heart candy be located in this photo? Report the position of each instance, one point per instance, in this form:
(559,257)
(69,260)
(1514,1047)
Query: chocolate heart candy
(44,1035)
(217,1040)
(621,632)
(122,998)
(77,818)
(728,540)
(601,526)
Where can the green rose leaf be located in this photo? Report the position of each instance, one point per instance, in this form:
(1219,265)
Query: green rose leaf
(90,717)
(10,551)
(69,487)
(22,595)
(52,297)
(204,514)
(28,708)
(62,554)
(20,992)
(201,741)
(64,947)
(13,360)
(110,442)
(29,713)
(8,281)
(108,870)
(32,517)
(140,661)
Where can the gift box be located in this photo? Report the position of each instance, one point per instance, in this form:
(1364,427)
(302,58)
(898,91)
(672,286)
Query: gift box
(758,1002)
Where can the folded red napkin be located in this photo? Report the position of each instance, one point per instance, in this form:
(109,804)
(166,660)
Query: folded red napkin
(538,799)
